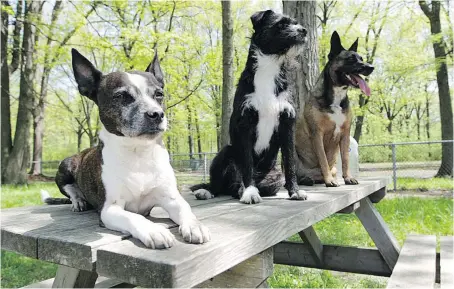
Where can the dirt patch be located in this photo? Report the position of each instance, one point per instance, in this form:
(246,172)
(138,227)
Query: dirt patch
(40,178)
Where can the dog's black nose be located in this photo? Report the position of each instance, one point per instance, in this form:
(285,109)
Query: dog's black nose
(303,31)
(155,115)
(368,69)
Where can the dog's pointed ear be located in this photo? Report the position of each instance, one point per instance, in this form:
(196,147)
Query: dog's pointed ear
(155,68)
(257,17)
(336,46)
(86,75)
(354,46)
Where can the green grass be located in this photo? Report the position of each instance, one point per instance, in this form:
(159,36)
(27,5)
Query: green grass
(20,196)
(404,215)
(425,184)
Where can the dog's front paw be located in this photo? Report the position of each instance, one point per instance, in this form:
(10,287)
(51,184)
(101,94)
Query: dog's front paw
(195,232)
(350,181)
(203,194)
(331,182)
(155,236)
(251,196)
(78,205)
(298,195)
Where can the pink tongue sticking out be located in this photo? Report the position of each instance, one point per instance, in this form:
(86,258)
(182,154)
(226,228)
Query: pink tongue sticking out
(362,84)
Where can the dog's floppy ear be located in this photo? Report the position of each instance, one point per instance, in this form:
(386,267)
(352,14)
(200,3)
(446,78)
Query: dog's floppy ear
(86,75)
(354,46)
(257,17)
(336,46)
(155,68)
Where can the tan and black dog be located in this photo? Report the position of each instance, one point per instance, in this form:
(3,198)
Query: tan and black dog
(323,126)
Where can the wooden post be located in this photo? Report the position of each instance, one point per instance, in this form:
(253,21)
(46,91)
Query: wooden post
(251,273)
(309,236)
(68,277)
(383,238)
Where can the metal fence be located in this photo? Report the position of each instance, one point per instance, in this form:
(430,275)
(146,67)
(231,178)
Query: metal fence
(399,160)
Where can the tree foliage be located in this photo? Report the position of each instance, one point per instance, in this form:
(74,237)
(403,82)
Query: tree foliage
(123,35)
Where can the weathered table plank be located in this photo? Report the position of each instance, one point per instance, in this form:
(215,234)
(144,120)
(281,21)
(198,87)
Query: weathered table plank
(55,234)
(22,236)
(236,236)
(415,267)
(248,274)
(446,262)
(337,258)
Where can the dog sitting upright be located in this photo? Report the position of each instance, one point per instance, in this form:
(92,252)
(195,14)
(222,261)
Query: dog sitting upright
(263,118)
(129,172)
(324,125)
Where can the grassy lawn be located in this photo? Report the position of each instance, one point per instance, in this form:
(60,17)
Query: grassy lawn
(404,216)
(424,184)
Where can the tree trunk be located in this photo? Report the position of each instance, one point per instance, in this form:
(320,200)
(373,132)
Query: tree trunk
(16,168)
(370,57)
(305,76)
(39,110)
(80,133)
(218,135)
(359,120)
(428,122)
(444,95)
(6,142)
(198,136)
(189,126)
(389,127)
(38,125)
(16,50)
(227,70)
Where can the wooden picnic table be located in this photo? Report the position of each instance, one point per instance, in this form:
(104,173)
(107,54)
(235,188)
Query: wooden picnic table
(246,240)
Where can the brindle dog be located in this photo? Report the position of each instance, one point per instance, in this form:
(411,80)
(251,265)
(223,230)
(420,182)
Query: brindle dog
(323,126)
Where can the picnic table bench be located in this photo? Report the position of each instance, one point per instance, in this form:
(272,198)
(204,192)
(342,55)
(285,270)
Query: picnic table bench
(246,241)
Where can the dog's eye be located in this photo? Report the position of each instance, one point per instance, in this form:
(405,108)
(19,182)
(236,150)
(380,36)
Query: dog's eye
(159,95)
(352,58)
(125,97)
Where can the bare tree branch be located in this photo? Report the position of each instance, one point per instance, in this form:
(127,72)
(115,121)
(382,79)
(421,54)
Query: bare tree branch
(187,96)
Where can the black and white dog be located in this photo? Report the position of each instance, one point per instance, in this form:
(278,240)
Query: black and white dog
(129,172)
(263,118)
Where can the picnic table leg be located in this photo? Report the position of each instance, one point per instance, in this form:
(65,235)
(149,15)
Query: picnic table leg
(68,277)
(251,273)
(378,230)
(309,237)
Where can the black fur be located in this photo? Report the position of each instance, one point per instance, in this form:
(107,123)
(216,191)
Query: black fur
(238,166)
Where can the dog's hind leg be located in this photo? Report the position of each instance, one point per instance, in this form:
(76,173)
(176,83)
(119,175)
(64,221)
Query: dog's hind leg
(305,181)
(66,182)
(226,177)
(271,183)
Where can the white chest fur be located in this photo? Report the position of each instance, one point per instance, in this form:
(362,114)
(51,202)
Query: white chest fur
(337,116)
(133,170)
(264,100)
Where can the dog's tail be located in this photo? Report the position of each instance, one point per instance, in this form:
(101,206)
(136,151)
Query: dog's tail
(204,186)
(46,198)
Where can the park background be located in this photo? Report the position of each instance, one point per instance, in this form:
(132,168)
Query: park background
(44,119)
